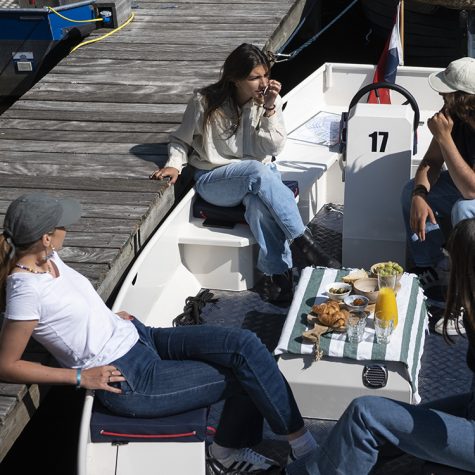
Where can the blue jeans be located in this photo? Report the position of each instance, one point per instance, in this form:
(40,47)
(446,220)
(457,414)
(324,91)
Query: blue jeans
(446,201)
(173,370)
(271,211)
(441,431)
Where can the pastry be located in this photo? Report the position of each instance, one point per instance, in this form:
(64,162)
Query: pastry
(331,314)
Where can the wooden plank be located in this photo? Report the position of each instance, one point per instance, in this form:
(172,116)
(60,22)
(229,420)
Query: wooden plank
(16,391)
(136,158)
(103,171)
(81,147)
(48,125)
(88,136)
(91,197)
(97,125)
(14,415)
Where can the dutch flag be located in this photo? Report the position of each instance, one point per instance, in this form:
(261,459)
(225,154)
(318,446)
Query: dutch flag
(391,58)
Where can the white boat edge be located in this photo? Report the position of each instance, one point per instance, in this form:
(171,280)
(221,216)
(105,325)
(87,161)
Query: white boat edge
(182,256)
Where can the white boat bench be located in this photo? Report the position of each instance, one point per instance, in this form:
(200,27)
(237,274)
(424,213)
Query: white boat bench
(221,258)
(110,444)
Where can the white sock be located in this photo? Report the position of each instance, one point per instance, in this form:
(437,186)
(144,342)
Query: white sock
(303,444)
(220,452)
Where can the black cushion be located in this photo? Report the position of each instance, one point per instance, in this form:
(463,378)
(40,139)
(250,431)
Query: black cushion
(234,214)
(186,427)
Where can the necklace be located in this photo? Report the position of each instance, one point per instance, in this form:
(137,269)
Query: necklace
(33,271)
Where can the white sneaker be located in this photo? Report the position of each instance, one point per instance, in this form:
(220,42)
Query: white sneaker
(451,327)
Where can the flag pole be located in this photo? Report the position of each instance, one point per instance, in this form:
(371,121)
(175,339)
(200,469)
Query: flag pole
(402,29)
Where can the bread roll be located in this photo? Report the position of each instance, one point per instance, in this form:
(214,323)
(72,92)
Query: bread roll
(355,275)
(334,320)
(331,314)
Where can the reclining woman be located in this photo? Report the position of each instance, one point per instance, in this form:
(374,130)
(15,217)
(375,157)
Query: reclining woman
(230,131)
(135,370)
(441,431)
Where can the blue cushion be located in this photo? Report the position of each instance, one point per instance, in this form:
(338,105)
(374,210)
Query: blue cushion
(186,427)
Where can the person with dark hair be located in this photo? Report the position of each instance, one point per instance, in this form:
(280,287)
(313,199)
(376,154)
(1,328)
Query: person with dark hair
(230,131)
(136,370)
(441,431)
(444,184)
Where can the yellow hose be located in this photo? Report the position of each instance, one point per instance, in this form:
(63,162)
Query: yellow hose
(106,35)
(51,9)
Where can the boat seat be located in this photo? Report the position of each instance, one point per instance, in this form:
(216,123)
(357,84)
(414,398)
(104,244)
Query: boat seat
(185,427)
(220,257)
(233,214)
(172,445)
(430,468)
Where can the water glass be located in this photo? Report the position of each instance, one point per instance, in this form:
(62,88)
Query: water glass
(383,328)
(385,280)
(355,327)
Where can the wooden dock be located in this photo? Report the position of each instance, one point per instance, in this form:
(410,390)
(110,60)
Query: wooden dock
(96,126)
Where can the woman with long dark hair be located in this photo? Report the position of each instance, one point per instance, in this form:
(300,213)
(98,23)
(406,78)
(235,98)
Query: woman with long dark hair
(135,370)
(230,131)
(441,431)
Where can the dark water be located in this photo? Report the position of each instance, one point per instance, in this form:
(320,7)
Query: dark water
(348,41)
(49,442)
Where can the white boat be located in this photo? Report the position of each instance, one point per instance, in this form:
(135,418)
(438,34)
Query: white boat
(183,257)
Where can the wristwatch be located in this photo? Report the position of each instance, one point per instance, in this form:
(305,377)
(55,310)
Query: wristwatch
(420,190)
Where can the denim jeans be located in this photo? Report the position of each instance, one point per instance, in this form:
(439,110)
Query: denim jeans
(271,211)
(441,431)
(173,370)
(446,201)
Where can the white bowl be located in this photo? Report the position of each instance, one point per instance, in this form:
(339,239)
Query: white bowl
(345,290)
(374,273)
(350,302)
(368,288)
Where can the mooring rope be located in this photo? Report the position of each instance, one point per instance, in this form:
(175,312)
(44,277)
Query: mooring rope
(293,54)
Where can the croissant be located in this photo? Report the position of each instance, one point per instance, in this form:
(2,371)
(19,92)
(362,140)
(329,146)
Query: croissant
(335,320)
(328,307)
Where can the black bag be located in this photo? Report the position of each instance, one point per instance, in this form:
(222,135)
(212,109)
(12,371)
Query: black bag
(192,310)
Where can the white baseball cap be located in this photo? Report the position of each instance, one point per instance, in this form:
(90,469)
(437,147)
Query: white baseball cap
(458,76)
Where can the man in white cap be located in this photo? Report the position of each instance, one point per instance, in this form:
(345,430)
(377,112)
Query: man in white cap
(436,193)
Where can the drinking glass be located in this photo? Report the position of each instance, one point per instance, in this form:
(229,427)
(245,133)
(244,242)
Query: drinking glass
(355,326)
(383,328)
(385,280)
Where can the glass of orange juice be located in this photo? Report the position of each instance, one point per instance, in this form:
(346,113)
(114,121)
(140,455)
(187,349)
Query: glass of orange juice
(386,306)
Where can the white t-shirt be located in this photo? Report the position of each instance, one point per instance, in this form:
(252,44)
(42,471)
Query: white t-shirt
(74,324)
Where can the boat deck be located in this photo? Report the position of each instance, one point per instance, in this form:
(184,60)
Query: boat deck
(96,126)
(443,369)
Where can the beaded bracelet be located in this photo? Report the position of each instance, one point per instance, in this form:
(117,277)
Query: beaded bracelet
(78,378)
(269,108)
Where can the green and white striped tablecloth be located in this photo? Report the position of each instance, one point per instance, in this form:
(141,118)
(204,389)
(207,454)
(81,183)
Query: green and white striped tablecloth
(407,340)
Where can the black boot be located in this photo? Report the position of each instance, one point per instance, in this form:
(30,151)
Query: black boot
(276,288)
(313,252)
